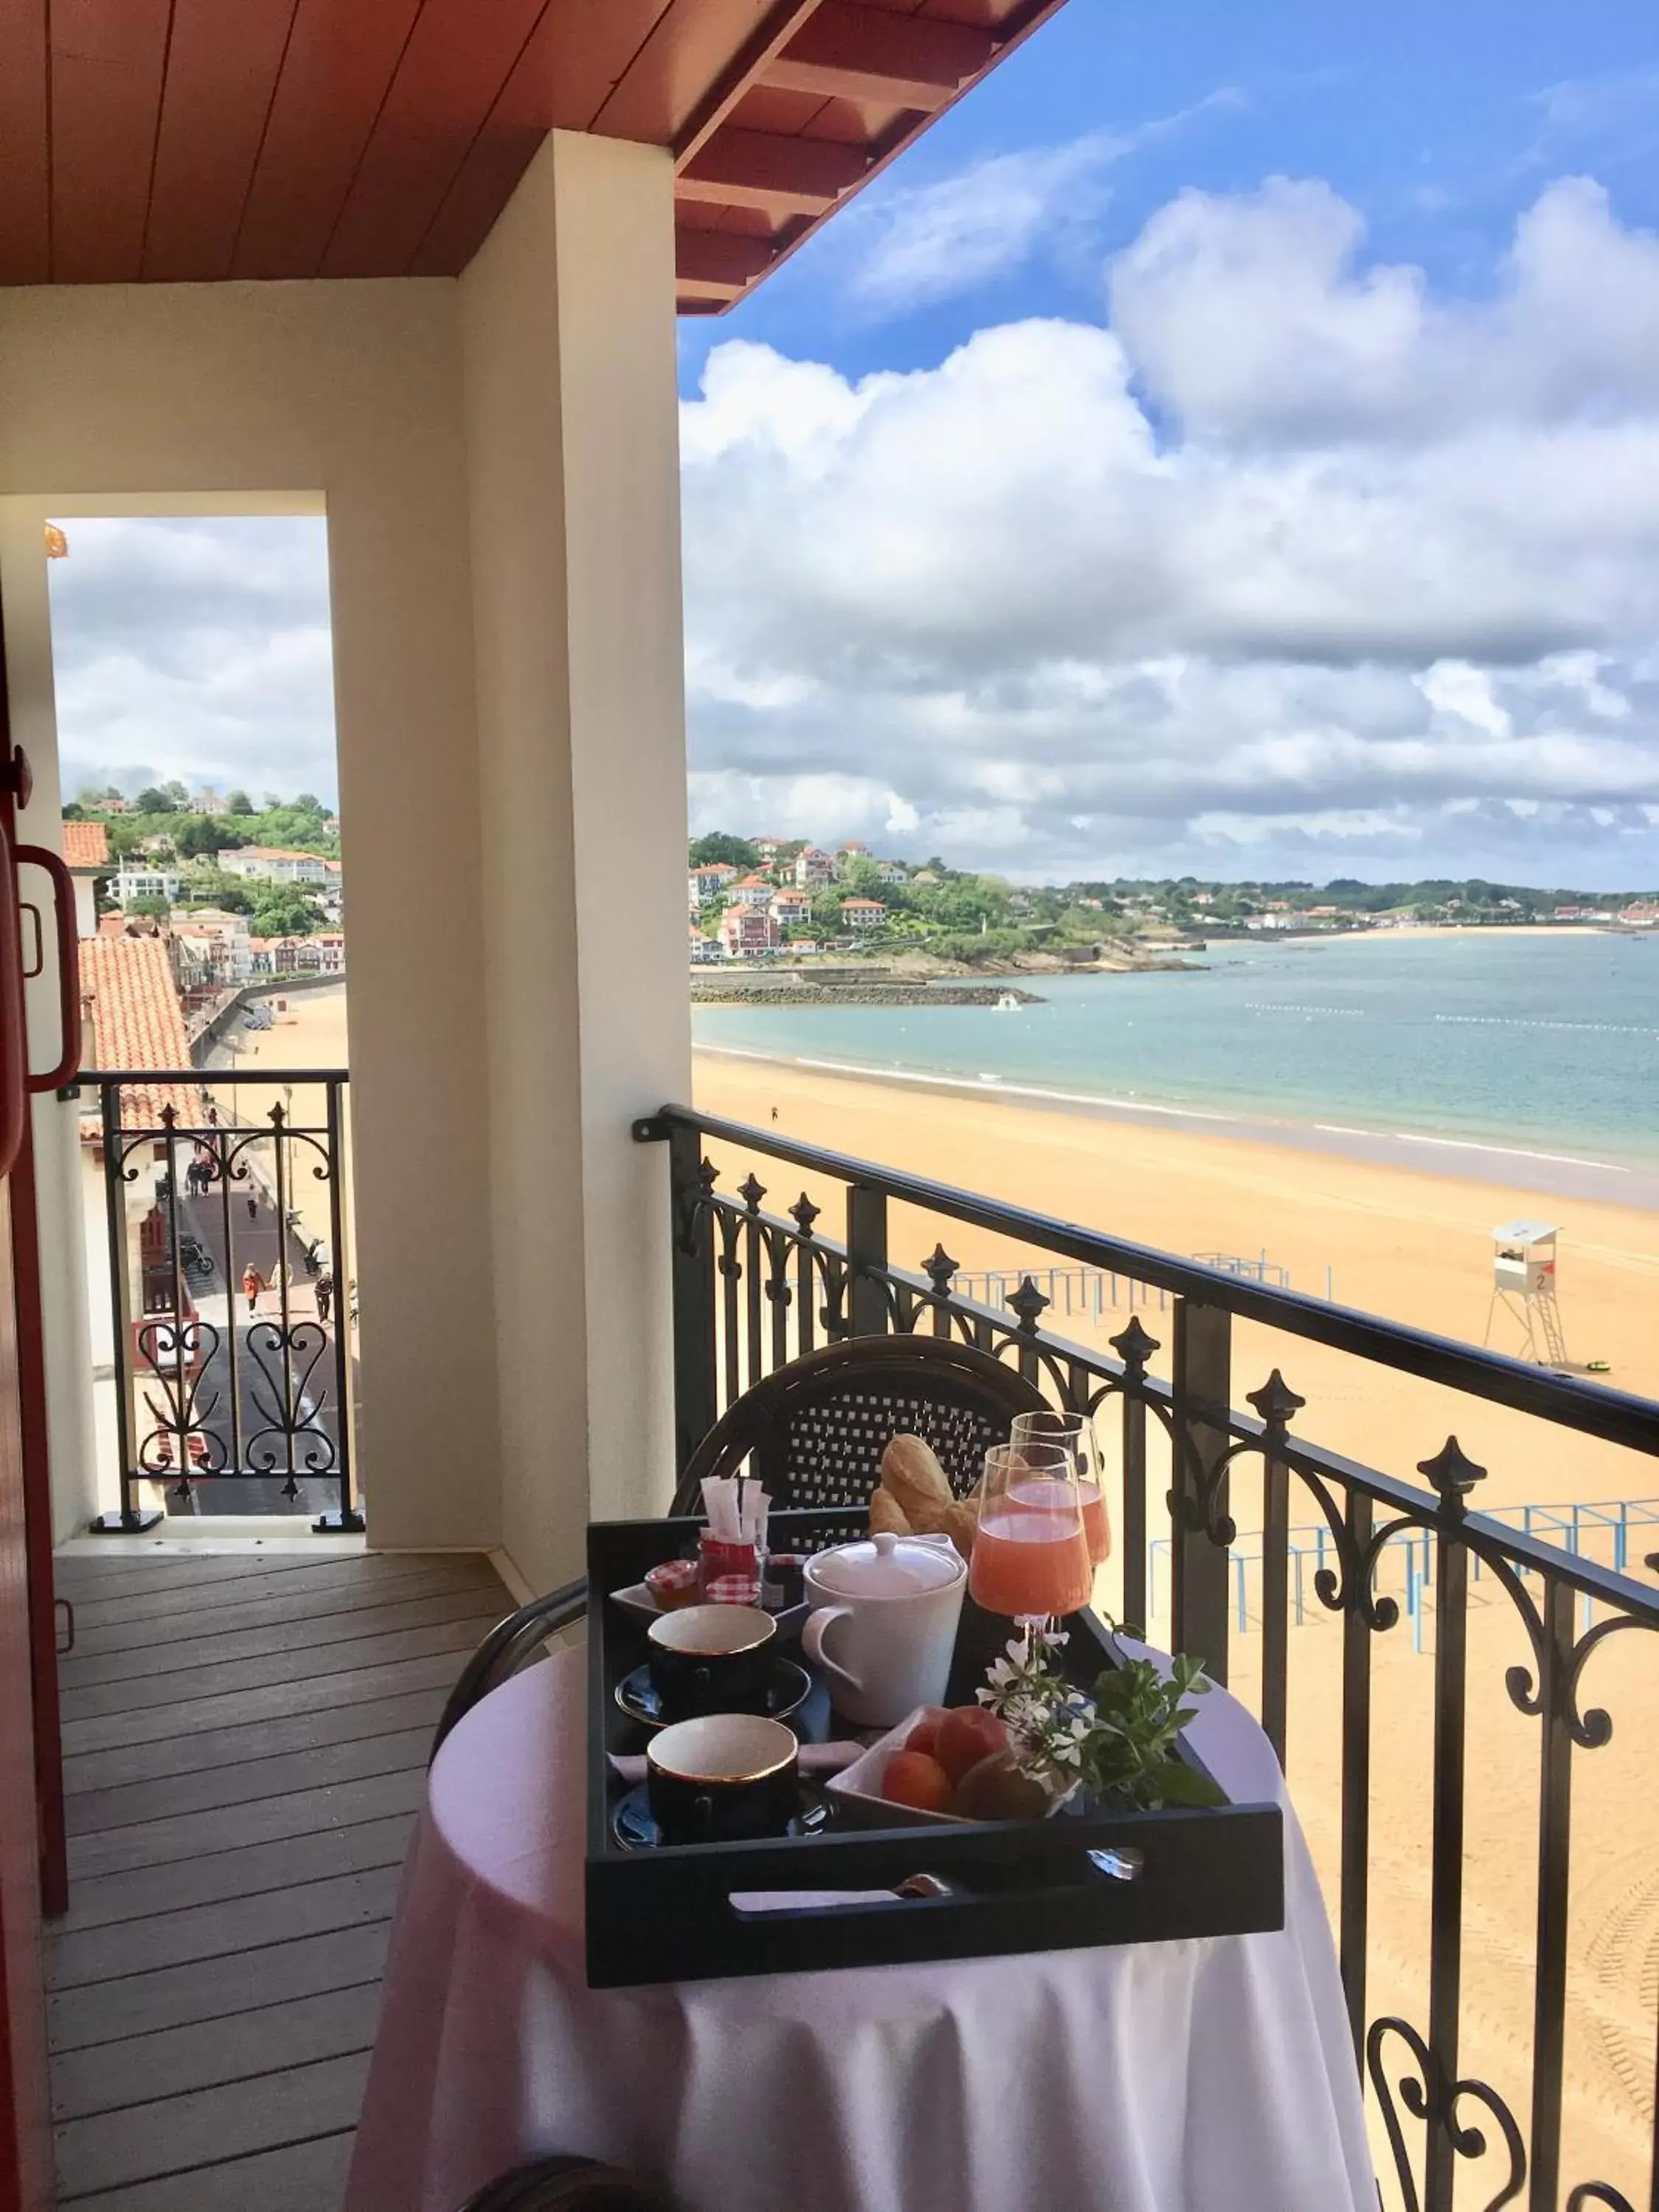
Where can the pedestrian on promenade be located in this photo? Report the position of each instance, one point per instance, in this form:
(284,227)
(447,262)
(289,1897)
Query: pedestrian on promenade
(252,1207)
(252,1282)
(325,1295)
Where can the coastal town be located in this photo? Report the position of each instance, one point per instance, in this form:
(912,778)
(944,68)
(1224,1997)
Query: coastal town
(236,893)
(765,898)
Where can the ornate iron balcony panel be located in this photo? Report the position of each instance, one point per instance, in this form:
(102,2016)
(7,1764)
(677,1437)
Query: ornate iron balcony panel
(231,1298)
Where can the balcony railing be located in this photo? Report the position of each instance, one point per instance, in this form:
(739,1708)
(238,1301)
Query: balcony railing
(227,1315)
(1507,2035)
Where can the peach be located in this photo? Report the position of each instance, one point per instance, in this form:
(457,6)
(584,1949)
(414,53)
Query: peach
(966,1734)
(915,1779)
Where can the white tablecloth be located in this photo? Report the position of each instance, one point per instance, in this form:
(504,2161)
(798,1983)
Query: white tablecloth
(1198,2076)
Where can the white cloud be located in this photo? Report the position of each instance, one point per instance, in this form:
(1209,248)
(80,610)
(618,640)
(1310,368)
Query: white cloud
(1254,317)
(1454,687)
(932,241)
(912,244)
(195,650)
(1292,542)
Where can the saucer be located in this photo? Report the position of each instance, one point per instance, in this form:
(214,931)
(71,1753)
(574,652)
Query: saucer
(787,1693)
(632,1825)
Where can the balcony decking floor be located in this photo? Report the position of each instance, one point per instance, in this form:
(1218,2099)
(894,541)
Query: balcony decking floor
(245,1748)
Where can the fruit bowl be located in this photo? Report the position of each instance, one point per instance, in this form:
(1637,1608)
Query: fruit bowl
(856,1790)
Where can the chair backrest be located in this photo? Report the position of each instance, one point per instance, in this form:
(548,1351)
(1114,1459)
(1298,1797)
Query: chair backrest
(568,2185)
(817,1428)
(511,1644)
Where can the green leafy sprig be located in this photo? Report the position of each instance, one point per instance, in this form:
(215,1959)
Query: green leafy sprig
(1119,1745)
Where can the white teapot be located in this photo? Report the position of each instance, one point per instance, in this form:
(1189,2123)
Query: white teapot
(883,1623)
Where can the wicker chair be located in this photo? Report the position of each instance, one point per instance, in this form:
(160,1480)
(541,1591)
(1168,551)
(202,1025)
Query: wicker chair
(568,2185)
(815,1431)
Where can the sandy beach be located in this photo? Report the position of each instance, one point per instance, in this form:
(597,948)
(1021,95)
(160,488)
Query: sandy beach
(1414,1246)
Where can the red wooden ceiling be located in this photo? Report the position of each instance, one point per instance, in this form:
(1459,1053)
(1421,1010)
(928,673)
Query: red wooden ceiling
(189,140)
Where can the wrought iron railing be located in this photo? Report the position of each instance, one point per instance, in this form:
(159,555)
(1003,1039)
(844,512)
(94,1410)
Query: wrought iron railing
(231,1302)
(754,1288)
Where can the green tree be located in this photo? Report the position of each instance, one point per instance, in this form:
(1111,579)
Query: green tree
(178,792)
(283,913)
(198,834)
(861,878)
(290,826)
(212,887)
(152,799)
(736,852)
(307,803)
(151,904)
(239,803)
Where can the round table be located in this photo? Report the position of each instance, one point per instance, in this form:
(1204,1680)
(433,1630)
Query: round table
(1198,2076)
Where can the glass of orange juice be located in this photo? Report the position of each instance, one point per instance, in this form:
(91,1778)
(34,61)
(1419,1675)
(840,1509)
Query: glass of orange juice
(1076,1431)
(1030,1557)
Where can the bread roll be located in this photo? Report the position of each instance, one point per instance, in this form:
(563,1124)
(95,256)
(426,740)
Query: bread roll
(959,1524)
(887,1515)
(915,1479)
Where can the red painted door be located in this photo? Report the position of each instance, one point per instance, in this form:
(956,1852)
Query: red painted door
(27,1664)
(25,2129)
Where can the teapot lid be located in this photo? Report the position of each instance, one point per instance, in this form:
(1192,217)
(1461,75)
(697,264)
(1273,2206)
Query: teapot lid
(888,1565)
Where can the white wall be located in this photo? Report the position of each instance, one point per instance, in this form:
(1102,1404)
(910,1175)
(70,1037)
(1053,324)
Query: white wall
(497,459)
(566,317)
(66,1331)
(262,398)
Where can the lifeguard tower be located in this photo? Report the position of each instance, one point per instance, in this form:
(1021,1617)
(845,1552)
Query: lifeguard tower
(1523,1283)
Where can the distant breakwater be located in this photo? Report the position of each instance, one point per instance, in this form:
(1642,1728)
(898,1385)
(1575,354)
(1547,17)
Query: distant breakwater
(750,991)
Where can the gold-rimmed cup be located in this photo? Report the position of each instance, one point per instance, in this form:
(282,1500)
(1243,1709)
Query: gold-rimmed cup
(712,1659)
(726,1778)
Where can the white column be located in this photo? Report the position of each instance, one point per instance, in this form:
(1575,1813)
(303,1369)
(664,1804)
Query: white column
(567,327)
(70,1351)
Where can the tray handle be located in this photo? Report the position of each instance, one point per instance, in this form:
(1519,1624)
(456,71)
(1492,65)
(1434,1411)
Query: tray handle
(1124,1866)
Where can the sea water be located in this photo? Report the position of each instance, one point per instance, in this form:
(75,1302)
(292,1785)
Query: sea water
(1549,1040)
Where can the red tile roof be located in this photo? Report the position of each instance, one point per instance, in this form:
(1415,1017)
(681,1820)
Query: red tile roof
(133,1020)
(86,844)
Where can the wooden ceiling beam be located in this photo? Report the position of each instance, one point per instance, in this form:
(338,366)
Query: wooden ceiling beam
(765,169)
(848,51)
(719,265)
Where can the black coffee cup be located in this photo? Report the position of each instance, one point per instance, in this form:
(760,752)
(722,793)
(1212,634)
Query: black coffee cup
(712,1659)
(724,1778)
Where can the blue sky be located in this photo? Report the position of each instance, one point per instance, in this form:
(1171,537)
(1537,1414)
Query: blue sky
(1438,118)
(1228,442)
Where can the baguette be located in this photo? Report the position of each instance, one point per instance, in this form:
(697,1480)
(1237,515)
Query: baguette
(887,1515)
(959,1523)
(915,1479)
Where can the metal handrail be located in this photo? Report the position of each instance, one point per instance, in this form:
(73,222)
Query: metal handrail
(753,1289)
(1616,1416)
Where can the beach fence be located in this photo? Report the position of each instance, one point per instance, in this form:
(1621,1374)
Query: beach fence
(1600,1529)
(1090,1293)
(1086,1292)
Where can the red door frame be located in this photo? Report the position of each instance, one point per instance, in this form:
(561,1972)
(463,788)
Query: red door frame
(28,1666)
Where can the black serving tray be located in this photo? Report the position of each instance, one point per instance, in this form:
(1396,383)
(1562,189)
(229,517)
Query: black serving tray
(666,1915)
